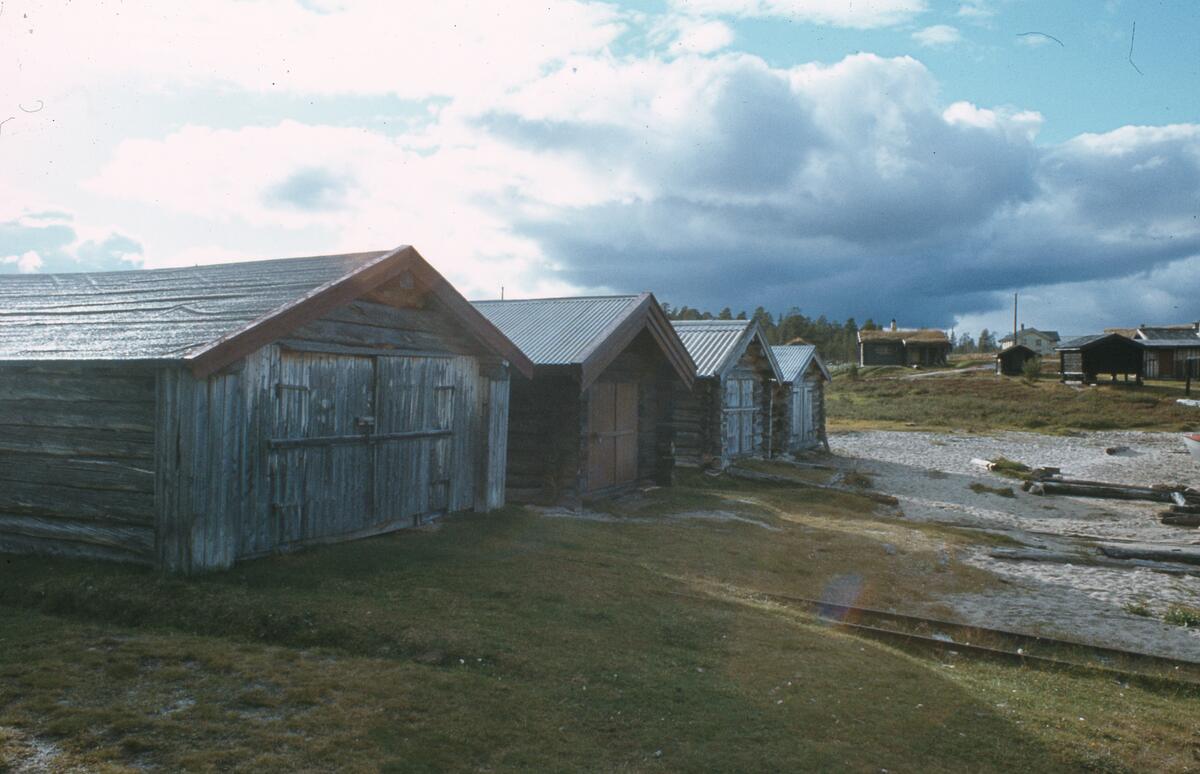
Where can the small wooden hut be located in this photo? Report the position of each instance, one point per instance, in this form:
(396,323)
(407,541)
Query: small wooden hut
(903,347)
(594,418)
(729,413)
(1084,358)
(1010,361)
(191,418)
(800,398)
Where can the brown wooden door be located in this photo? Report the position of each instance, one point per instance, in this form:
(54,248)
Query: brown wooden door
(612,434)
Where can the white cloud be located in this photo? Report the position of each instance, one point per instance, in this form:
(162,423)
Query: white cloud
(865,14)
(367,47)
(27,263)
(698,36)
(977,11)
(937,35)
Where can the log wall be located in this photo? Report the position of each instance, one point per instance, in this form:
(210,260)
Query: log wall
(77,461)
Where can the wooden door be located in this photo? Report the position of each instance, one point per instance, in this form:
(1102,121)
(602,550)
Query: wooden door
(802,419)
(416,398)
(739,417)
(612,434)
(322,476)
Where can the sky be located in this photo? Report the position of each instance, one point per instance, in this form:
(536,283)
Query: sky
(911,159)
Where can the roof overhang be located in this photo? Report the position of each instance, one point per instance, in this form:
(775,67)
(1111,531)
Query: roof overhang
(646,315)
(212,357)
(753,332)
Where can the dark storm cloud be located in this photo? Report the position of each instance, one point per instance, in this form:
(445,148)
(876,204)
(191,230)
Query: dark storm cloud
(856,192)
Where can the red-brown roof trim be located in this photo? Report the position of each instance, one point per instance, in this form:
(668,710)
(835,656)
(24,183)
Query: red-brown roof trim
(315,304)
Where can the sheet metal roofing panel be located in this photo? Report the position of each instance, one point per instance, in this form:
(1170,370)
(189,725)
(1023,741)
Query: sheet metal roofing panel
(710,342)
(558,331)
(1083,341)
(156,314)
(794,359)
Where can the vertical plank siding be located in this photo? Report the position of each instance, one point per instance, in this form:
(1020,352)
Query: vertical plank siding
(785,441)
(76,461)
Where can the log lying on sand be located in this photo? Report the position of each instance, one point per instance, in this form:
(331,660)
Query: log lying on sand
(1177,519)
(1074,488)
(1152,552)
(1109,491)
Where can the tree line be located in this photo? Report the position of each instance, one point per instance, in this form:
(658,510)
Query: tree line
(837,341)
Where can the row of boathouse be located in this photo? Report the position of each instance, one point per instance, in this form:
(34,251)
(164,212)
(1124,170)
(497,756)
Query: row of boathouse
(192,418)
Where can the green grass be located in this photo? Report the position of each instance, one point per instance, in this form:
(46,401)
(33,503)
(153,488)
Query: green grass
(523,642)
(1182,615)
(981,402)
(1001,491)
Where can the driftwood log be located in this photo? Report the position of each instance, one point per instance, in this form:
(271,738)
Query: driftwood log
(1177,519)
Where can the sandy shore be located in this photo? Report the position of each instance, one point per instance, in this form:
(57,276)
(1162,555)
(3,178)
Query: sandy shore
(931,474)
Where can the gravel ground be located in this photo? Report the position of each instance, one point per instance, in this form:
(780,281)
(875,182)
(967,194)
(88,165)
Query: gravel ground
(930,473)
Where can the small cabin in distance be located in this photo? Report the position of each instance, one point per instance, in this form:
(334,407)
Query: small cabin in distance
(191,418)
(729,412)
(594,419)
(800,395)
(1011,360)
(1084,358)
(903,347)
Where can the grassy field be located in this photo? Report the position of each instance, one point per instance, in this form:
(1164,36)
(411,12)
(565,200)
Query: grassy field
(982,401)
(628,640)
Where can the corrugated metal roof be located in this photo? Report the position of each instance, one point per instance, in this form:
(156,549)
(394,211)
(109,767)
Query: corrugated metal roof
(794,360)
(1180,343)
(151,314)
(1168,332)
(1083,341)
(558,331)
(710,342)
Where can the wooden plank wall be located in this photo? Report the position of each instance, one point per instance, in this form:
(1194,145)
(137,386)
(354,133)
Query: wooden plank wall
(782,440)
(545,431)
(226,462)
(494,451)
(201,441)
(76,461)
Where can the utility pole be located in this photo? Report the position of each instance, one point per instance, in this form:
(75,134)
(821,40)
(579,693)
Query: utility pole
(1015,319)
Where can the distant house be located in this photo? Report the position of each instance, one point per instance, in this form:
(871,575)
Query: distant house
(595,418)
(901,346)
(1168,349)
(1084,358)
(190,418)
(728,413)
(1041,342)
(800,396)
(1010,361)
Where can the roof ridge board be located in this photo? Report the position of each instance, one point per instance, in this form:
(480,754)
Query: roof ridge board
(555,298)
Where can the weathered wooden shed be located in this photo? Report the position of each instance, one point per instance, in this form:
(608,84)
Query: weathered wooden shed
(595,417)
(729,413)
(1011,360)
(800,398)
(190,418)
(1084,358)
